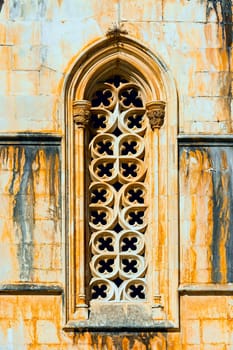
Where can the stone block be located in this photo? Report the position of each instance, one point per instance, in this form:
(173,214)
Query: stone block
(206,109)
(191,347)
(9,266)
(192,332)
(47,256)
(211,84)
(202,275)
(40,178)
(7,112)
(151,34)
(185,11)
(214,128)
(174,341)
(46,332)
(210,59)
(80,10)
(230,310)
(28,332)
(43,209)
(24,83)
(6,55)
(46,232)
(135,10)
(230,341)
(215,347)
(203,259)
(3,31)
(26,57)
(214,36)
(24,307)
(34,112)
(204,307)
(27,11)
(215,331)
(7,231)
(5,82)
(42,256)
(60,44)
(24,32)
(50,81)
(8,305)
(45,307)
(198,35)
(47,276)
(6,207)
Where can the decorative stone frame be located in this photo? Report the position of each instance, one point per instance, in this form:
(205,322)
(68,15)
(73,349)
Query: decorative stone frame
(123,55)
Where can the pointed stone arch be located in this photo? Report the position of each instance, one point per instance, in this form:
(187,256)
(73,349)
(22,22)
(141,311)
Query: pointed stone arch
(122,56)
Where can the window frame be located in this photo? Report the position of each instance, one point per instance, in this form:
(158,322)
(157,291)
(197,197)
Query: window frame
(154,78)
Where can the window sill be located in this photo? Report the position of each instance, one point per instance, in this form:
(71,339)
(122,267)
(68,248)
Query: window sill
(121,317)
(82,326)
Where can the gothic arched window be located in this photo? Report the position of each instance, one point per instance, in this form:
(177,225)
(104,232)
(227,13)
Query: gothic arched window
(121,194)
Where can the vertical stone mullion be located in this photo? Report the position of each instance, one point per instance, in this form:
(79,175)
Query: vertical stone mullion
(81,115)
(156,115)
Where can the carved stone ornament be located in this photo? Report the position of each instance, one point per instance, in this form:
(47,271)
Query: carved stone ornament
(81,113)
(118,193)
(156,113)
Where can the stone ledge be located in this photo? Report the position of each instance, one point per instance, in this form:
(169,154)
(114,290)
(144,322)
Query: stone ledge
(31,288)
(83,326)
(120,317)
(30,138)
(205,139)
(206,289)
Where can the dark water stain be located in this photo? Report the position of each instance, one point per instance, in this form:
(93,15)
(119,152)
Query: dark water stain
(54,169)
(15,9)
(22,181)
(1,4)
(229,242)
(118,339)
(42,7)
(217,222)
(24,214)
(221,160)
(222,212)
(227,26)
(28,9)
(226,14)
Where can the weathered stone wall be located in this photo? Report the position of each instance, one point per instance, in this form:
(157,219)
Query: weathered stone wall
(40,42)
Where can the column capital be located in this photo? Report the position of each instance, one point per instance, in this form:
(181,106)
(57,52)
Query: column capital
(81,112)
(156,113)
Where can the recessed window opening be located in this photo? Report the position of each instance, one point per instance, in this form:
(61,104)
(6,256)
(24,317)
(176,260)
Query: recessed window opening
(121,189)
(118,191)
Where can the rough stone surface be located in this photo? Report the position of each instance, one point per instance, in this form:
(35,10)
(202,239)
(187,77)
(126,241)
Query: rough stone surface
(40,41)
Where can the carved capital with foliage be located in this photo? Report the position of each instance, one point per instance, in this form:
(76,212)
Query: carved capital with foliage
(156,113)
(81,113)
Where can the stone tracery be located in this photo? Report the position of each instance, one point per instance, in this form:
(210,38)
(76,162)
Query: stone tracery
(117,204)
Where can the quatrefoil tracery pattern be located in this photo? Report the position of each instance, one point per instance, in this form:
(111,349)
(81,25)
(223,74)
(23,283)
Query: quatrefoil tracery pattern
(117,205)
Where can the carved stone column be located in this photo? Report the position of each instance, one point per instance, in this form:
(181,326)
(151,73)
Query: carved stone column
(156,113)
(81,117)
